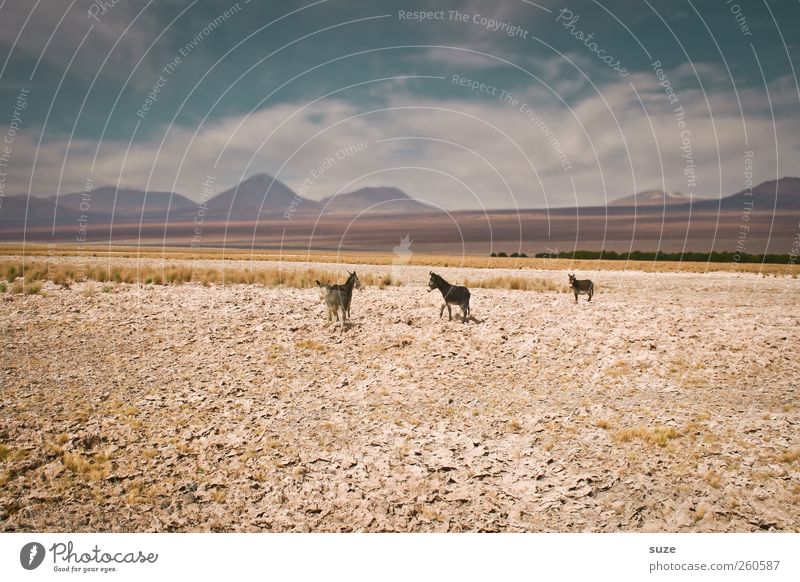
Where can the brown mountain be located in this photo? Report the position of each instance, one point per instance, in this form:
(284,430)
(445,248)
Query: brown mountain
(124,202)
(16,209)
(127,205)
(381,200)
(260,194)
(781,194)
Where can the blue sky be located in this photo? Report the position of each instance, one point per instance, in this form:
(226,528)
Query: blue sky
(280,87)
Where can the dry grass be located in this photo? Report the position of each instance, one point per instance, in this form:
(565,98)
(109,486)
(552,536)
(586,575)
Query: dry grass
(789,456)
(468,261)
(311,345)
(517,283)
(86,469)
(655,436)
(714,479)
(27,278)
(699,513)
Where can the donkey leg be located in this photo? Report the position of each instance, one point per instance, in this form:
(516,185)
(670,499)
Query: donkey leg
(449,312)
(576,296)
(441,311)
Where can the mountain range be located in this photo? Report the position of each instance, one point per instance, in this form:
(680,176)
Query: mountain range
(259,196)
(263,197)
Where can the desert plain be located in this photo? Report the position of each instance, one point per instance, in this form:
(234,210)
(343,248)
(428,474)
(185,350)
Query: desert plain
(667,403)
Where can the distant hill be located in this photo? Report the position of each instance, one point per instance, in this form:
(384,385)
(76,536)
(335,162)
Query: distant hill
(653,198)
(782,194)
(381,200)
(16,209)
(124,202)
(259,193)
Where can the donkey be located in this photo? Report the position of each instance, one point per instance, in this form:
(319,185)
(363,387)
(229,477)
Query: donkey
(338,299)
(356,283)
(581,287)
(452,294)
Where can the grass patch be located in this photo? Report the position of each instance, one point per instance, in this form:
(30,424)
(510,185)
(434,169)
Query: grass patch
(618,369)
(655,436)
(789,456)
(64,274)
(517,283)
(5,453)
(86,469)
(372,258)
(699,513)
(713,478)
(33,288)
(311,345)
(514,426)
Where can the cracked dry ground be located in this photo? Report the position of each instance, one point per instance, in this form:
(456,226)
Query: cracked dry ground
(236,408)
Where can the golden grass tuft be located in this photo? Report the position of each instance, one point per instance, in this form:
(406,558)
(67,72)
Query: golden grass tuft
(86,469)
(790,456)
(514,426)
(713,478)
(655,436)
(618,369)
(699,513)
(311,345)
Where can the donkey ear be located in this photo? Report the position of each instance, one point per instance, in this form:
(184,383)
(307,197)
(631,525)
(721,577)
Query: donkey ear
(431,272)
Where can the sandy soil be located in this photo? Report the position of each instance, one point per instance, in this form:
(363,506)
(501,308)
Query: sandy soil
(668,403)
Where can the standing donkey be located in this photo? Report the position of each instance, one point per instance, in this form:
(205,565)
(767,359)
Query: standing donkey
(338,298)
(452,294)
(581,287)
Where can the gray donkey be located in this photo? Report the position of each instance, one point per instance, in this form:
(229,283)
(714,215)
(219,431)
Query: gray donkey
(452,294)
(338,298)
(581,287)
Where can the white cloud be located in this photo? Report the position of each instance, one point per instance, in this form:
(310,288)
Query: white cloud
(474,124)
(53,32)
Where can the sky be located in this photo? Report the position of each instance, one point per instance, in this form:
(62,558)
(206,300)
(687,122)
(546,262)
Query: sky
(466,105)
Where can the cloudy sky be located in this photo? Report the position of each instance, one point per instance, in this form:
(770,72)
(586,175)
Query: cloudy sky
(489,104)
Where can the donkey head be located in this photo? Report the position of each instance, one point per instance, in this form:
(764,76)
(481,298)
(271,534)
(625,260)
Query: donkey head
(432,284)
(323,289)
(572,280)
(354,278)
